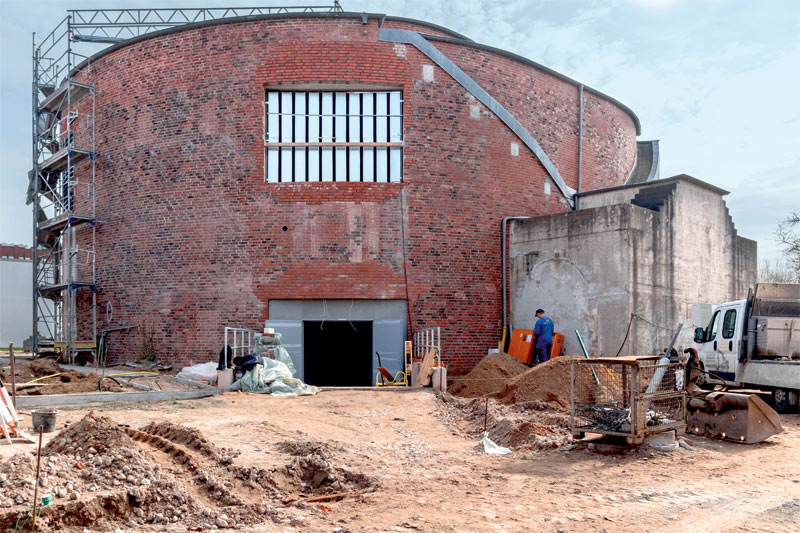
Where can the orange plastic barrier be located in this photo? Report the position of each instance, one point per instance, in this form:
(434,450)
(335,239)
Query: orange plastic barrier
(558,344)
(522,345)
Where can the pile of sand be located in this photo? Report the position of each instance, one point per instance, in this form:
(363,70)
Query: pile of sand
(488,377)
(548,382)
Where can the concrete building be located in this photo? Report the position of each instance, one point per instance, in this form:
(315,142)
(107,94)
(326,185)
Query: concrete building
(16,297)
(653,254)
(321,168)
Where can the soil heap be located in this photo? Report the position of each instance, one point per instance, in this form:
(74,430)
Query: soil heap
(66,382)
(548,382)
(488,377)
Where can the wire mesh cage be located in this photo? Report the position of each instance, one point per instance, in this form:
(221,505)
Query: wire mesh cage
(631,397)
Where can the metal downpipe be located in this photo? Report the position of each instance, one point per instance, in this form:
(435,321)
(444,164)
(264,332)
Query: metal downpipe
(505,233)
(580,144)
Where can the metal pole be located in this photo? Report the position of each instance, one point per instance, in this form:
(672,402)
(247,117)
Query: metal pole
(36,486)
(580,143)
(586,356)
(11,359)
(34,155)
(504,232)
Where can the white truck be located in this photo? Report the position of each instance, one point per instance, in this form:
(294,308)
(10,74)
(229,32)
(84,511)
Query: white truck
(755,343)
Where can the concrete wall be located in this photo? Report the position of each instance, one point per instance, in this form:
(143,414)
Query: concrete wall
(16,301)
(592,269)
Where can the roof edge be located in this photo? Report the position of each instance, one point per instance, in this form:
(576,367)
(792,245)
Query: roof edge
(671,179)
(380,17)
(539,66)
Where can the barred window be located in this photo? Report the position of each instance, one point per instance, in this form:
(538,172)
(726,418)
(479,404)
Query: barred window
(333,136)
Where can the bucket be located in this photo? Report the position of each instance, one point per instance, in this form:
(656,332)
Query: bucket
(44,418)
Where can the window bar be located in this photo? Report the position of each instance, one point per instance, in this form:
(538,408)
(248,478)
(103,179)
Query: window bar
(333,136)
(307,136)
(294,138)
(361,135)
(280,136)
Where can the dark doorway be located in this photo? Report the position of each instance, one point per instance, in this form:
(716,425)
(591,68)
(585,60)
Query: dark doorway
(338,354)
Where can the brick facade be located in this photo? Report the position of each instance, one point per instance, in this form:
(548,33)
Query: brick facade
(191,239)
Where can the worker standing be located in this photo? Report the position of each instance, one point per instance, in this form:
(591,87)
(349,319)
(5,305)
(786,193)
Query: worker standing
(543,330)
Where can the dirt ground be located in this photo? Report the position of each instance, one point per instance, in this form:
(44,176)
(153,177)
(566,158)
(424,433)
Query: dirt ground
(426,474)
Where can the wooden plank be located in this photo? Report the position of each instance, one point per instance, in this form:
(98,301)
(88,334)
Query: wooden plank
(423,378)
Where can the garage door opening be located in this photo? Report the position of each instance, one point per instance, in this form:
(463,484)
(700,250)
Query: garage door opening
(338,354)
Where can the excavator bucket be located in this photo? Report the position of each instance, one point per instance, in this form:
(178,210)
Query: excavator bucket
(743,418)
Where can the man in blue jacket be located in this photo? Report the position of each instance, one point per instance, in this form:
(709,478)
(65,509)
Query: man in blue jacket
(544,337)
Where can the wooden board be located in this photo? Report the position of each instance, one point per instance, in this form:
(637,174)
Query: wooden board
(423,377)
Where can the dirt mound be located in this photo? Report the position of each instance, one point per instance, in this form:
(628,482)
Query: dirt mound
(302,447)
(529,426)
(94,435)
(44,367)
(190,437)
(62,381)
(488,377)
(548,382)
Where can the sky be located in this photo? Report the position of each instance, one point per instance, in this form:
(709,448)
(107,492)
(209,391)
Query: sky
(715,81)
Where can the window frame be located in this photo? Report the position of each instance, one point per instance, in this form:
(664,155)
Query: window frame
(726,324)
(372,151)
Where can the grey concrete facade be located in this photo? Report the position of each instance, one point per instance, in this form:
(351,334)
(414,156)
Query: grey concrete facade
(662,251)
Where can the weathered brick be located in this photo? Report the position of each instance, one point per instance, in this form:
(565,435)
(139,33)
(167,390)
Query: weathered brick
(190,238)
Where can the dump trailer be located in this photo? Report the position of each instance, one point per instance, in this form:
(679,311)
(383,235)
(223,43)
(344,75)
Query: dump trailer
(755,343)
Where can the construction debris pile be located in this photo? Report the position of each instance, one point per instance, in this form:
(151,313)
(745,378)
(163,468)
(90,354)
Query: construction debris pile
(103,475)
(529,407)
(45,376)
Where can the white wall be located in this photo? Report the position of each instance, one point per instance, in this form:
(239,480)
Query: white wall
(16,301)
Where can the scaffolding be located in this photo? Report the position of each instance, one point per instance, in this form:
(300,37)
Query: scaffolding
(63,176)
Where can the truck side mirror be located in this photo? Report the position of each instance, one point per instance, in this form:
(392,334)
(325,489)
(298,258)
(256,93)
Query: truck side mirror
(699,335)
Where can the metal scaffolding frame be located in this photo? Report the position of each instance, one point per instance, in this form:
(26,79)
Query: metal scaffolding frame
(62,180)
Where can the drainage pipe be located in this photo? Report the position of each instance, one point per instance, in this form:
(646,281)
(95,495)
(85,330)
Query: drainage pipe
(505,226)
(580,144)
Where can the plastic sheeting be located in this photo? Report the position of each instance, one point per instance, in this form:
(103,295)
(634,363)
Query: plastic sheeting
(492,448)
(273,377)
(274,345)
(199,372)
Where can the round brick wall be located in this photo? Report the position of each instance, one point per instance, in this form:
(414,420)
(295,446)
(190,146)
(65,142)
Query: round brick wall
(190,238)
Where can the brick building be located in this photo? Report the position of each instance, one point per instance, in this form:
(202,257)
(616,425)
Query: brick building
(341,176)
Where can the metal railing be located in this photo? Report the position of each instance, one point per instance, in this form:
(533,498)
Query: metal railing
(425,339)
(241,341)
(112,25)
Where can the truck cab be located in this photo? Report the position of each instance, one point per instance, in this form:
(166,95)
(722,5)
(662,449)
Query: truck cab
(755,343)
(719,343)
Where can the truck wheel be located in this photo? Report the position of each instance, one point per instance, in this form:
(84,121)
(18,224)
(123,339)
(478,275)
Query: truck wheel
(780,400)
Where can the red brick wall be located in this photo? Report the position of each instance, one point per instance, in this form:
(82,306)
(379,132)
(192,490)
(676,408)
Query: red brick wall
(190,238)
(15,251)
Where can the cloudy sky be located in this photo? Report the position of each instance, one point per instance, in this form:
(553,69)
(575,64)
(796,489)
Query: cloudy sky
(715,80)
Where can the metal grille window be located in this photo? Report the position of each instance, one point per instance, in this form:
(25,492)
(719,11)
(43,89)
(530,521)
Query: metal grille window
(333,136)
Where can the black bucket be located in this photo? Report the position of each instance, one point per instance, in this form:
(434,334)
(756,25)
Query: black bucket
(44,418)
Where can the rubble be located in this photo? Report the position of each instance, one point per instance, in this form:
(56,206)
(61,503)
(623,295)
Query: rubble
(106,476)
